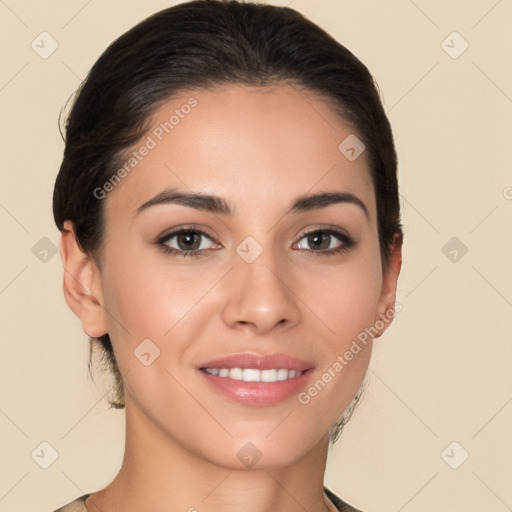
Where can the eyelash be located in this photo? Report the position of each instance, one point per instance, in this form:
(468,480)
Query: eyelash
(346,243)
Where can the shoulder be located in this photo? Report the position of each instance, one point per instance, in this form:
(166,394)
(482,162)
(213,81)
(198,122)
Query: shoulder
(77,505)
(339,504)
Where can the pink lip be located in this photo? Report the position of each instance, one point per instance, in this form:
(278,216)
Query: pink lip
(257,393)
(258,361)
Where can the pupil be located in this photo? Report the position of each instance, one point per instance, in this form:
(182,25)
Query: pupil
(186,240)
(321,241)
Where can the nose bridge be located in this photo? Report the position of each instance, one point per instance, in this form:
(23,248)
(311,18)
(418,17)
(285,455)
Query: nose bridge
(258,293)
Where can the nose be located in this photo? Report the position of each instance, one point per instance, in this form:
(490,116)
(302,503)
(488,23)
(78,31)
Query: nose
(259,297)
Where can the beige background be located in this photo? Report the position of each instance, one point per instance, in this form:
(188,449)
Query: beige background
(441,373)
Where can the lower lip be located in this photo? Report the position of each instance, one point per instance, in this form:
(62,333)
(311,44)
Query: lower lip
(257,393)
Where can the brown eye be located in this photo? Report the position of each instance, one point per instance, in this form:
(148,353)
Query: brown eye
(319,240)
(186,242)
(189,241)
(326,241)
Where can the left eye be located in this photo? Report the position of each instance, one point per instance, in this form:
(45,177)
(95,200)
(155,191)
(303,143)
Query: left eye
(325,240)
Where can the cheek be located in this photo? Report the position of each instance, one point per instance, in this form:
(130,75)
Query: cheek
(344,303)
(148,302)
(344,298)
(147,299)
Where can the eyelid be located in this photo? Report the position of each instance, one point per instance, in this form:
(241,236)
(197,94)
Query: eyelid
(323,227)
(168,233)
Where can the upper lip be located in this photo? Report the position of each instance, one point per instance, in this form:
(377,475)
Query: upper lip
(258,361)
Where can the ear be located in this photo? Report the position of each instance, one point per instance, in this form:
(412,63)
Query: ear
(386,305)
(82,284)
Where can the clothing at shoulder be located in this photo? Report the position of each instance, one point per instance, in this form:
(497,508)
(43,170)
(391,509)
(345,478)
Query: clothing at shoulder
(338,503)
(78,505)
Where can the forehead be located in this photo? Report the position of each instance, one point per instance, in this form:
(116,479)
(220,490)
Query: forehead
(251,145)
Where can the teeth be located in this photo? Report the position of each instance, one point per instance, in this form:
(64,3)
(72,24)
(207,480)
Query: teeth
(254,375)
(282,374)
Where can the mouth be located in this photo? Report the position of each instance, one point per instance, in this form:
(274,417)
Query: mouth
(254,375)
(257,379)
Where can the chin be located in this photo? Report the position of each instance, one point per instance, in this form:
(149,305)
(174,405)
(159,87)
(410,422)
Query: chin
(259,452)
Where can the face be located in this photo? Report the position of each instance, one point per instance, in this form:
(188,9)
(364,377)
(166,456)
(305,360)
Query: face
(242,238)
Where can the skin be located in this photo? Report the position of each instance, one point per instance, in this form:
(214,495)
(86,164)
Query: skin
(259,149)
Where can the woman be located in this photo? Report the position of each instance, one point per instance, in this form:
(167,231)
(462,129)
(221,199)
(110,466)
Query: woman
(231,237)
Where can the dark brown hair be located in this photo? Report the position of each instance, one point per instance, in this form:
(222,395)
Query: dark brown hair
(200,45)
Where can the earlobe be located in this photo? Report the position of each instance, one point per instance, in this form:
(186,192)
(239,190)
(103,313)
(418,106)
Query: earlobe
(386,306)
(82,284)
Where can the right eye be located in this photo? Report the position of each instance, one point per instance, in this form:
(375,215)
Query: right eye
(185,242)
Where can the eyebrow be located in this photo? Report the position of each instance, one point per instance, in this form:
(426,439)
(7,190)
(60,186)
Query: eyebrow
(218,205)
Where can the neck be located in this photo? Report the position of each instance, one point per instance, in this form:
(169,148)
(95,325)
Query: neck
(158,474)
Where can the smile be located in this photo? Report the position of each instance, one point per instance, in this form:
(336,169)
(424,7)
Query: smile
(254,374)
